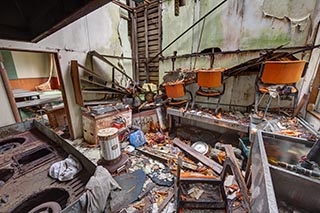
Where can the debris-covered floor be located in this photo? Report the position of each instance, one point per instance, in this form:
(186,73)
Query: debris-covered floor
(168,160)
(158,158)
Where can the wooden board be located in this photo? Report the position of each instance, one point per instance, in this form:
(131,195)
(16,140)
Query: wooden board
(202,158)
(76,82)
(30,83)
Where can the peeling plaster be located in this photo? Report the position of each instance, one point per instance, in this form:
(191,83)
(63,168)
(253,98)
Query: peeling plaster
(301,24)
(297,12)
(238,24)
(294,9)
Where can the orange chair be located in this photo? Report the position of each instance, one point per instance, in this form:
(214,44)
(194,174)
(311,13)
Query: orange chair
(177,90)
(209,81)
(282,76)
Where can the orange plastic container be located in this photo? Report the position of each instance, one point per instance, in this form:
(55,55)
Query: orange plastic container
(175,90)
(210,78)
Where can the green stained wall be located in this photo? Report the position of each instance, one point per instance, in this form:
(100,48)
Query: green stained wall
(9,64)
(236,25)
(239,24)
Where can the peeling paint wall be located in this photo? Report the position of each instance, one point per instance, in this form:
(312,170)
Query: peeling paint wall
(100,30)
(238,24)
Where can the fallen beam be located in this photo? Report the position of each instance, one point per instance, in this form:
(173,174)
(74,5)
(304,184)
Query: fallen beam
(238,174)
(166,201)
(203,159)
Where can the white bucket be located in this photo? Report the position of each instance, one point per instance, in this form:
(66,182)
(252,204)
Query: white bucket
(109,143)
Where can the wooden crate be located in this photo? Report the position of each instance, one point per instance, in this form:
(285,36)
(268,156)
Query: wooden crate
(92,124)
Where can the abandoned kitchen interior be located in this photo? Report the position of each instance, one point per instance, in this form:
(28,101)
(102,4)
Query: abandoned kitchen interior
(132,106)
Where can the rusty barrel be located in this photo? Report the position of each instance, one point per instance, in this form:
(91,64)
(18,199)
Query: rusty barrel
(109,143)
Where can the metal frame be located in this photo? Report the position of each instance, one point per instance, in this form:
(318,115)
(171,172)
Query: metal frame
(234,125)
(258,93)
(56,139)
(216,97)
(280,184)
(101,88)
(198,204)
(230,166)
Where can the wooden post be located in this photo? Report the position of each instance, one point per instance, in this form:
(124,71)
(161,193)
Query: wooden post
(7,87)
(76,82)
(64,96)
(146,35)
(134,39)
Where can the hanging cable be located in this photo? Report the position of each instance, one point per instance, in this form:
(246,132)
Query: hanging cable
(195,60)
(197,22)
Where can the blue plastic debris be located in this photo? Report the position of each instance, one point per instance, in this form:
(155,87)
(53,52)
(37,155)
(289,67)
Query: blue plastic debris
(137,138)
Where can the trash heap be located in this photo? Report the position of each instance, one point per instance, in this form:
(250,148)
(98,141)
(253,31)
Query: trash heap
(159,158)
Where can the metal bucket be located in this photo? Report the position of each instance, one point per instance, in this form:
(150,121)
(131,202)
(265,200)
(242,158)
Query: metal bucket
(109,143)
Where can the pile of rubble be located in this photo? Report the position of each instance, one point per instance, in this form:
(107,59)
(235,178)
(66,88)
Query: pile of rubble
(159,157)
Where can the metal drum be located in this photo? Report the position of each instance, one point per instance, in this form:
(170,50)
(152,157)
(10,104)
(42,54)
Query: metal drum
(109,143)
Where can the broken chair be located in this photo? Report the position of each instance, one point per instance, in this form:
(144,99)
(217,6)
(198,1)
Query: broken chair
(209,82)
(176,92)
(278,78)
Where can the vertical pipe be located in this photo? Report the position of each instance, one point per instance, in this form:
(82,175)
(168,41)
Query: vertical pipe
(7,87)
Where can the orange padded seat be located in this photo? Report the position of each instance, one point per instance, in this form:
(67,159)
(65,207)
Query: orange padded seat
(264,89)
(282,72)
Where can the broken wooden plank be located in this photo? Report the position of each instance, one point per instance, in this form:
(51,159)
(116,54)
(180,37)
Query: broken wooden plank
(166,200)
(202,158)
(301,104)
(156,156)
(114,90)
(146,191)
(90,72)
(237,173)
(76,82)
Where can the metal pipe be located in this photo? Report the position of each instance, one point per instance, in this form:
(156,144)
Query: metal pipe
(226,52)
(7,87)
(197,22)
(96,54)
(236,69)
(231,105)
(117,57)
(307,126)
